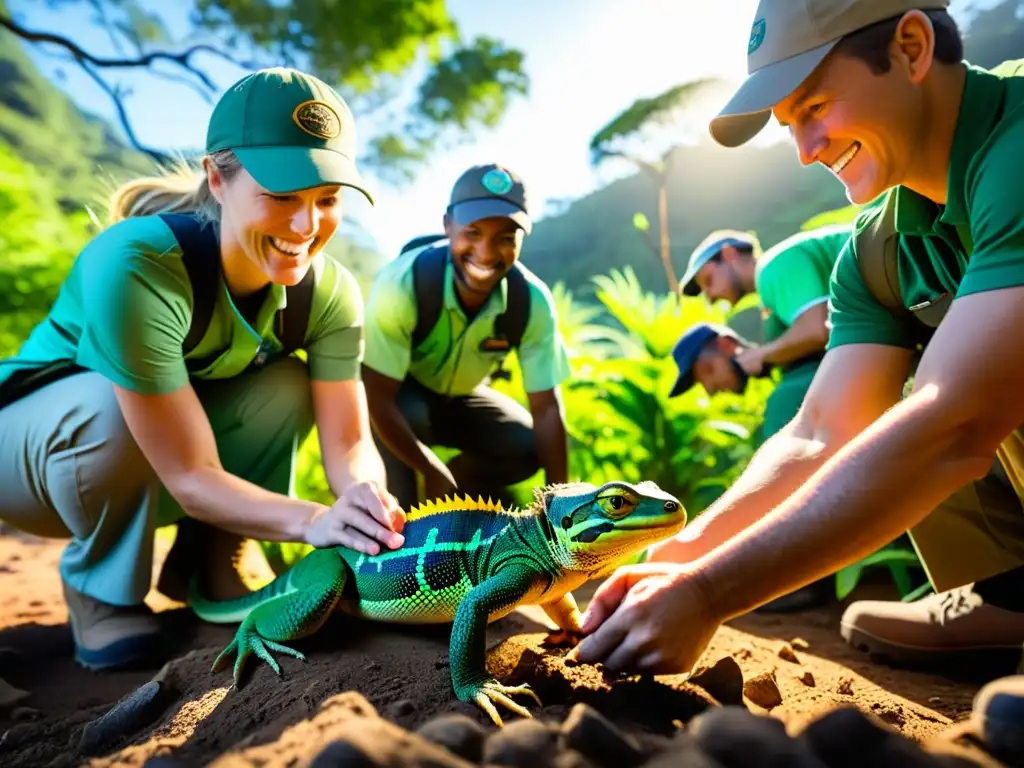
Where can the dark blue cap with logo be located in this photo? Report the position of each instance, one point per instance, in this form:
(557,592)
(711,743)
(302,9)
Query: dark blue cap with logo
(485,191)
(710,247)
(689,346)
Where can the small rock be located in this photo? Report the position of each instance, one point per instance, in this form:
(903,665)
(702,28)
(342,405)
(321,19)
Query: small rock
(570,758)
(807,678)
(130,714)
(20,714)
(682,752)
(588,732)
(733,735)
(934,699)
(787,653)
(402,707)
(522,743)
(845,686)
(743,653)
(459,734)
(799,644)
(341,754)
(847,737)
(763,690)
(724,680)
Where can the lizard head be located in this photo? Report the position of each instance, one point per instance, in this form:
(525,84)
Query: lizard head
(594,529)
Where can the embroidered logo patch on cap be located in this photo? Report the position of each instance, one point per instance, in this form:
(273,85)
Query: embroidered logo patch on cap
(756,36)
(497,181)
(317,118)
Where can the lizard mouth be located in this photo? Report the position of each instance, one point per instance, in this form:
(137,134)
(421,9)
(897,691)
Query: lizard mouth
(591,535)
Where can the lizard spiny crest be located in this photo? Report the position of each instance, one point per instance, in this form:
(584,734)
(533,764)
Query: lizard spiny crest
(458,504)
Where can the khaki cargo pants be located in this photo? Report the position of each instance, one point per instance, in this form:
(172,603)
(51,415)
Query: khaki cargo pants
(69,467)
(978,531)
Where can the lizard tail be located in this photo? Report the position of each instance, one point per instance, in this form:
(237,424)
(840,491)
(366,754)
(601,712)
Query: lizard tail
(235,610)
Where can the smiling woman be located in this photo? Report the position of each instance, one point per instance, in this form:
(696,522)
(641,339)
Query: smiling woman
(161,387)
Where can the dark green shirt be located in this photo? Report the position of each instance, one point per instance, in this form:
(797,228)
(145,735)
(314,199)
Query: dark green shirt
(973,243)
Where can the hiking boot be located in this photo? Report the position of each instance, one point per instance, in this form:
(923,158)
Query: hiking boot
(935,626)
(997,718)
(110,636)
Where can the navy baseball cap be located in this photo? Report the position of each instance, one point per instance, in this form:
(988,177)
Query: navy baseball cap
(484,191)
(689,346)
(708,249)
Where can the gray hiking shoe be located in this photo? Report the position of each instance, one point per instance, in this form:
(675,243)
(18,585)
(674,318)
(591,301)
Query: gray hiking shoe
(110,636)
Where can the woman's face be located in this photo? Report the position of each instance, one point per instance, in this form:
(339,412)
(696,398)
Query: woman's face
(279,234)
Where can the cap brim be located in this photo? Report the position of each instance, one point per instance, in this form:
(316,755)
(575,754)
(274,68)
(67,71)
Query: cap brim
(473,210)
(689,287)
(749,110)
(683,384)
(291,169)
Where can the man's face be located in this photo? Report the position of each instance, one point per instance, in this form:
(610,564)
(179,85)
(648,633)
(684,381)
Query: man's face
(865,128)
(484,251)
(716,369)
(718,279)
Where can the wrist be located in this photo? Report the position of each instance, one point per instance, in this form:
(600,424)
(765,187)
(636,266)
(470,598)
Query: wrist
(303,524)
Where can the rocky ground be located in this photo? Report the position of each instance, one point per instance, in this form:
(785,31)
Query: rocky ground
(777,690)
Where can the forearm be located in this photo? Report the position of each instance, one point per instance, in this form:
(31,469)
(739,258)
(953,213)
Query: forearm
(800,340)
(552,444)
(217,497)
(780,467)
(905,464)
(396,433)
(358,463)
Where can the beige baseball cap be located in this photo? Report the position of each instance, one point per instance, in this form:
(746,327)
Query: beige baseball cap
(788,39)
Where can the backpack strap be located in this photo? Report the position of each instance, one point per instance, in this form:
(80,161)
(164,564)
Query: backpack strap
(512,322)
(201,256)
(428,282)
(292,321)
(877,256)
(419,242)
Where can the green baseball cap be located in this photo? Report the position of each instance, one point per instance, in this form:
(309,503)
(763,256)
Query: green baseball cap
(490,190)
(710,247)
(289,130)
(787,42)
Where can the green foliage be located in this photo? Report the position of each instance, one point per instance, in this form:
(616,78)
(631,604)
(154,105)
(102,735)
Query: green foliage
(844,215)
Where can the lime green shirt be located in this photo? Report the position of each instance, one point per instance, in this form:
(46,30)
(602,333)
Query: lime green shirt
(793,275)
(125,307)
(450,360)
(974,243)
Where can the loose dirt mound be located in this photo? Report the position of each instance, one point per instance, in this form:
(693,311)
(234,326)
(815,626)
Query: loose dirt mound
(363,679)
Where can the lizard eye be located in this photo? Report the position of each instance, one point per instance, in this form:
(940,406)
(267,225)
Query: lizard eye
(617,504)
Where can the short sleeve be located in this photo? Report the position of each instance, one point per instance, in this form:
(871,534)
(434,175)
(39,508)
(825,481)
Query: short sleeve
(137,307)
(855,317)
(390,320)
(542,355)
(788,290)
(335,342)
(997,215)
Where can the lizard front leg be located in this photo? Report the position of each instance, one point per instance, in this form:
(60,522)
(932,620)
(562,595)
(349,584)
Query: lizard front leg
(566,615)
(314,586)
(468,648)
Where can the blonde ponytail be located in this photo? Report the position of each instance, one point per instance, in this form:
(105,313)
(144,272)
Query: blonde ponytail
(179,188)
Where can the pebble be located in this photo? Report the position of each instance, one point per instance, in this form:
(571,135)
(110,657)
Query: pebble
(807,678)
(787,653)
(845,686)
(763,690)
(522,743)
(588,732)
(799,644)
(847,738)
(459,734)
(723,680)
(733,735)
(342,754)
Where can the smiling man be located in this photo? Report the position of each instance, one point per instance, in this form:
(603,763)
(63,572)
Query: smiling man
(439,320)
(878,92)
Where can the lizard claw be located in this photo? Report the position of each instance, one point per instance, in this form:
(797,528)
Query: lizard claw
(493,691)
(247,642)
(562,638)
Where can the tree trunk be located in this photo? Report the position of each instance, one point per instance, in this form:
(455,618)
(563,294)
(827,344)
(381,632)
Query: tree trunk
(666,250)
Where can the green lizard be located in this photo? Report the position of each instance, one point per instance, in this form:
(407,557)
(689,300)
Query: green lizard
(463,561)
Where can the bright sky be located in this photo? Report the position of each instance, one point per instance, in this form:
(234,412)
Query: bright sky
(587,60)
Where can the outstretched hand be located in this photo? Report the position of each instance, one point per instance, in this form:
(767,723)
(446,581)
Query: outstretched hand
(652,618)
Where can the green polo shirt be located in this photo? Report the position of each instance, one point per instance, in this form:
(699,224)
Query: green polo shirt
(974,243)
(793,275)
(125,307)
(450,360)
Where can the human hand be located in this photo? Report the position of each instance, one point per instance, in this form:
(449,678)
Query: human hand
(437,485)
(652,618)
(751,360)
(362,518)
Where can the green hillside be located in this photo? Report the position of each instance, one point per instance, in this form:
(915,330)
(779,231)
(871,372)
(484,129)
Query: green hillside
(765,190)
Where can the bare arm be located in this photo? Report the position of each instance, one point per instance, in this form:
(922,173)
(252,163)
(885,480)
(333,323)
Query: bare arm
(549,434)
(175,436)
(807,335)
(852,388)
(966,400)
(394,430)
